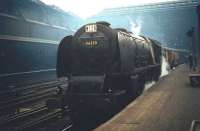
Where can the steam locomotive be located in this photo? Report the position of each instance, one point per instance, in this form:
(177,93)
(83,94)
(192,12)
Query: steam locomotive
(104,65)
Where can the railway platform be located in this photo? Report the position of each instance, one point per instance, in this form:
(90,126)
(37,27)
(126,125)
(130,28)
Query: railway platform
(172,104)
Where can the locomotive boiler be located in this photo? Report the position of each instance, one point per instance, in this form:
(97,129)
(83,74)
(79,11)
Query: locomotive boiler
(104,65)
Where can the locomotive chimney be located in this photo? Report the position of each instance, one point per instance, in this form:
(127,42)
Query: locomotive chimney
(103,23)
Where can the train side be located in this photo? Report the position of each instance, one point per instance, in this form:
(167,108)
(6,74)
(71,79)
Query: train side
(172,56)
(30,32)
(104,63)
(175,57)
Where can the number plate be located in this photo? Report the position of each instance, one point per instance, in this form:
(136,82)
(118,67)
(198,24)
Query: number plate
(91,43)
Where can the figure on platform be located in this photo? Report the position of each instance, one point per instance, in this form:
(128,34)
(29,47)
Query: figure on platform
(195,62)
(190,58)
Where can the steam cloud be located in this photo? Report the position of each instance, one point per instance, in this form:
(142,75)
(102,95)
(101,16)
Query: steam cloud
(135,26)
(148,85)
(164,67)
(164,72)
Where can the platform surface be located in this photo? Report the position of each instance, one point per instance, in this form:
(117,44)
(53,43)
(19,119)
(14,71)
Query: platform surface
(170,105)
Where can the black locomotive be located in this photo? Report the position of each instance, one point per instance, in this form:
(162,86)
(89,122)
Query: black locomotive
(104,64)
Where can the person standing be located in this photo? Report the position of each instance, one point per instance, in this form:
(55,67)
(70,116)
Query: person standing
(195,63)
(190,58)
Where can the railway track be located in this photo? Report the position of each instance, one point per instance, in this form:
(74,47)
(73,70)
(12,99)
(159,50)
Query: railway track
(37,120)
(19,96)
(26,108)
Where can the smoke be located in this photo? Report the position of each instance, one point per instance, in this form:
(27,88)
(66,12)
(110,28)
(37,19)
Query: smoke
(164,67)
(148,85)
(164,72)
(135,26)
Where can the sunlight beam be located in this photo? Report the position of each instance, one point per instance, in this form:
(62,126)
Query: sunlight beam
(87,8)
